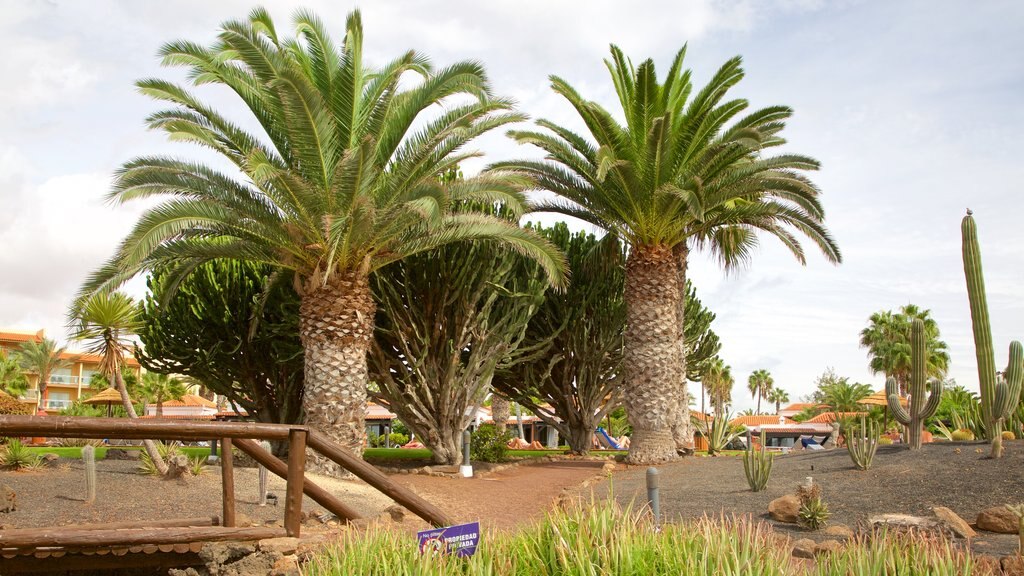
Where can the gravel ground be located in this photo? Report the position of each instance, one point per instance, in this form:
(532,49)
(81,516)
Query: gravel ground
(55,496)
(959,477)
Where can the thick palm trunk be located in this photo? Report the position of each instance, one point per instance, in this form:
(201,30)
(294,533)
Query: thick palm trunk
(336,327)
(653,355)
(149,445)
(501,410)
(682,427)
(758,402)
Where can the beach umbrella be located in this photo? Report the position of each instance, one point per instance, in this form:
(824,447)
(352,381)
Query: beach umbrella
(108,397)
(880,399)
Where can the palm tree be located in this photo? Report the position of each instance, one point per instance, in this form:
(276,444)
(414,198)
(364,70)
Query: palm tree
(842,396)
(342,178)
(718,382)
(42,358)
(759,384)
(682,173)
(12,376)
(887,338)
(778,395)
(104,323)
(159,388)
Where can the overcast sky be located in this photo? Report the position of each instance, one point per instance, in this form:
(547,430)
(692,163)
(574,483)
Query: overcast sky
(913,108)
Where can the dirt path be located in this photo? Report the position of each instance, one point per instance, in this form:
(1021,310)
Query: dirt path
(504,499)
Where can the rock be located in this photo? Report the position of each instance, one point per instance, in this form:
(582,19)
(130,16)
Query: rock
(1013,565)
(177,467)
(284,545)
(997,519)
(397,512)
(286,566)
(242,520)
(902,522)
(785,508)
(955,523)
(50,459)
(839,531)
(122,454)
(828,546)
(804,548)
(10,500)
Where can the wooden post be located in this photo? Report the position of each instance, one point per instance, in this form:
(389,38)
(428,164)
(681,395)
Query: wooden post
(227,478)
(296,478)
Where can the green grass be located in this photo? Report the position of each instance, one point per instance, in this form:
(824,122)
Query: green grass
(101,451)
(391,454)
(600,538)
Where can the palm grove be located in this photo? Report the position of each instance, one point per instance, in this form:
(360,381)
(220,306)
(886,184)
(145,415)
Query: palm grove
(342,192)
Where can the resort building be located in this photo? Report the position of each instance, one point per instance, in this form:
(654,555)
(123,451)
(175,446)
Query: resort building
(65,385)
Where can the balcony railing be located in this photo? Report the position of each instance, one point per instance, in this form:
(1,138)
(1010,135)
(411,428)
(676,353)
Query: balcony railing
(63,379)
(52,404)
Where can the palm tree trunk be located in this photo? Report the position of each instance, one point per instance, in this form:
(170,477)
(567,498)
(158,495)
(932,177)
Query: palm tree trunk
(500,412)
(682,427)
(653,356)
(336,327)
(758,401)
(149,445)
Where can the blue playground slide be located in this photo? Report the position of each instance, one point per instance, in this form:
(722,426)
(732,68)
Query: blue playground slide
(607,440)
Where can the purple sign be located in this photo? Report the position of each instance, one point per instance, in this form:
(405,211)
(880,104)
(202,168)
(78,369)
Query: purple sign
(460,540)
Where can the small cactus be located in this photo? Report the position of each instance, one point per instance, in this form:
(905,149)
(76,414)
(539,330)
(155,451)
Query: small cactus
(89,459)
(962,435)
(863,443)
(913,416)
(1019,511)
(757,465)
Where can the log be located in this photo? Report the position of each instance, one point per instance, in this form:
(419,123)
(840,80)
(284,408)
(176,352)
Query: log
(278,468)
(128,428)
(296,477)
(227,481)
(158,563)
(367,473)
(162,537)
(169,523)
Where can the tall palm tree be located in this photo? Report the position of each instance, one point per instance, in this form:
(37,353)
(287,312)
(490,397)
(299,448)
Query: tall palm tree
(682,173)
(887,338)
(159,388)
(718,382)
(342,178)
(760,384)
(778,395)
(42,358)
(104,323)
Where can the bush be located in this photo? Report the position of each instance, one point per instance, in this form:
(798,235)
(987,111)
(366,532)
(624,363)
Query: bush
(813,513)
(10,405)
(166,451)
(885,441)
(963,435)
(380,441)
(487,445)
(17,456)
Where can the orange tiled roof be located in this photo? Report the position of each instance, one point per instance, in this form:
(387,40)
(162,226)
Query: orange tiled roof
(830,417)
(798,406)
(21,336)
(191,400)
(758,421)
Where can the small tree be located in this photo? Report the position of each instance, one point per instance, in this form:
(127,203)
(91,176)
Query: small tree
(159,388)
(12,377)
(42,358)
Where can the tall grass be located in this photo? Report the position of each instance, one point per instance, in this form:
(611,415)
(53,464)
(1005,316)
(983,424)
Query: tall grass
(603,539)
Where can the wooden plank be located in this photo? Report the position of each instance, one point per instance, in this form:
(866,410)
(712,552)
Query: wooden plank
(366,472)
(168,523)
(296,477)
(158,563)
(129,428)
(162,537)
(275,466)
(227,480)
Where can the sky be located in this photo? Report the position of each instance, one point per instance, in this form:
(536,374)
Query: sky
(912,107)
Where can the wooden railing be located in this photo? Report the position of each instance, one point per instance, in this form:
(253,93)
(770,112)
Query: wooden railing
(241,435)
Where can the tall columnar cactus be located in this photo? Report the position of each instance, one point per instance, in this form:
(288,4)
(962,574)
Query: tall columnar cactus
(996,406)
(913,416)
(89,459)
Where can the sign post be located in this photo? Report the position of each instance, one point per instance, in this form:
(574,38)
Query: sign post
(466,469)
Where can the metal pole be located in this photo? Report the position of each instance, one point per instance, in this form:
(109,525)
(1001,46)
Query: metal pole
(653,497)
(466,469)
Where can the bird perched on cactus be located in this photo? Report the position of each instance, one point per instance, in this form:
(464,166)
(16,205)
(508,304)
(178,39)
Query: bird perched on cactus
(920,409)
(999,396)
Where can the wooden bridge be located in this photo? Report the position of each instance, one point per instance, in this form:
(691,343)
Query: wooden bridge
(87,545)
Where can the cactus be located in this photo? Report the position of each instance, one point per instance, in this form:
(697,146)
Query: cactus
(913,416)
(89,458)
(757,465)
(1018,510)
(863,443)
(998,398)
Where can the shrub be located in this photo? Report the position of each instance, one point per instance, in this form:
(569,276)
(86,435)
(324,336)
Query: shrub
(757,466)
(885,441)
(718,433)
(1009,435)
(78,442)
(963,435)
(10,405)
(488,445)
(813,513)
(166,451)
(380,441)
(17,456)
(196,464)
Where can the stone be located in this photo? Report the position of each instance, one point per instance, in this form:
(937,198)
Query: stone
(122,454)
(284,545)
(10,500)
(286,566)
(50,459)
(785,508)
(242,520)
(1013,565)
(804,548)
(997,519)
(177,467)
(828,546)
(902,522)
(839,531)
(954,522)
(397,512)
